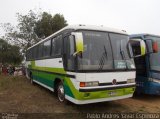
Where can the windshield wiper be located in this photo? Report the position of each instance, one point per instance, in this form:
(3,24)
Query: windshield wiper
(105,51)
(102,59)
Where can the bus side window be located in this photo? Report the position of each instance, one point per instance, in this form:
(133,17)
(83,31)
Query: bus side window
(40,51)
(57,46)
(35,53)
(47,47)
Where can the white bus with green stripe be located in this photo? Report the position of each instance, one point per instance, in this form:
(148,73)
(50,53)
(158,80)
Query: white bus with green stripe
(84,64)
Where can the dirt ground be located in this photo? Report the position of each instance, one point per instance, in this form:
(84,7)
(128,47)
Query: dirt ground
(17,95)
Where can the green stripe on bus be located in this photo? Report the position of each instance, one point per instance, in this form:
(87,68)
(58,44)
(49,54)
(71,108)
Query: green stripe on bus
(48,79)
(70,90)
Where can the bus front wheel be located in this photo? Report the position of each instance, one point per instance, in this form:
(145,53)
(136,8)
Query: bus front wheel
(60,92)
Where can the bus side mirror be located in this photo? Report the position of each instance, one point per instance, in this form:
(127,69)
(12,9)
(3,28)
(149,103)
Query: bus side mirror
(138,47)
(152,46)
(143,47)
(78,42)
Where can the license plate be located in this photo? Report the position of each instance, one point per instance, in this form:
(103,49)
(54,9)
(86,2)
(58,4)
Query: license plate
(112,93)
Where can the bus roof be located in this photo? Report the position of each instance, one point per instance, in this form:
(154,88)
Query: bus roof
(84,27)
(142,35)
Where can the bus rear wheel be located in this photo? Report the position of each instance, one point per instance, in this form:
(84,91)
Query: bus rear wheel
(60,92)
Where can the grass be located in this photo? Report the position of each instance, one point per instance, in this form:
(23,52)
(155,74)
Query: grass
(18,95)
(7,82)
(142,109)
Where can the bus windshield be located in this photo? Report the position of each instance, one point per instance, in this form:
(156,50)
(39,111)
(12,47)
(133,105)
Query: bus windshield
(154,57)
(105,51)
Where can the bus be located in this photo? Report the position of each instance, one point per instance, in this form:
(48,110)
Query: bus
(84,64)
(148,66)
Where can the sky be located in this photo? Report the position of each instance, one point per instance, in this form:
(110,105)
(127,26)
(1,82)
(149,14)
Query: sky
(134,16)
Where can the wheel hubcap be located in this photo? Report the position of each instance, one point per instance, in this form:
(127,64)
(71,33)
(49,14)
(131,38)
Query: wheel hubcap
(61,93)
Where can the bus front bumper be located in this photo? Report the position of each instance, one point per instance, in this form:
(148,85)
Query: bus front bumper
(80,102)
(93,95)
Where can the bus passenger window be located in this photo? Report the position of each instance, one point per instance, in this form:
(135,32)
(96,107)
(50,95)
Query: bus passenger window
(47,47)
(40,51)
(56,46)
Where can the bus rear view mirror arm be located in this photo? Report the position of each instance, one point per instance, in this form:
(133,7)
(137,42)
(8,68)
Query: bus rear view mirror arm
(77,53)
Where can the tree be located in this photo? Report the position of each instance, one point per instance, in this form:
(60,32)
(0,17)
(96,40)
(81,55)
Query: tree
(58,22)
(43,27)
(49,24)
(9,53)
(32,28)
(23,34)
(26,34)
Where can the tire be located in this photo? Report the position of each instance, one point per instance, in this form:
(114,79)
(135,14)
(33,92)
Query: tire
(61,92)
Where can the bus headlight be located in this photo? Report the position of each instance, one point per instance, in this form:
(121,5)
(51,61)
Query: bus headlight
(89,84)
(130,80)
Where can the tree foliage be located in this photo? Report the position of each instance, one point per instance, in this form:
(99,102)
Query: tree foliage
(49,24)
(32,27)
(9,53)
(23,34)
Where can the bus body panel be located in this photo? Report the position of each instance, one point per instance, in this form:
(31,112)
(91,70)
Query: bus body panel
(46,76)
(149,81)
(109,76)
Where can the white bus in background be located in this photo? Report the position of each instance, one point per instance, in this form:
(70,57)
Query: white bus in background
(84,64)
